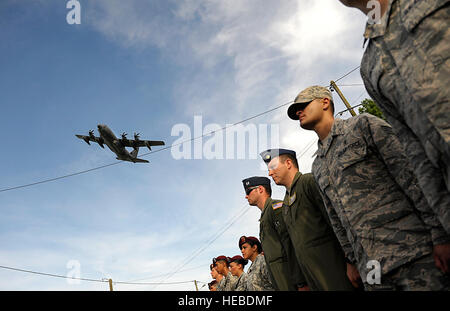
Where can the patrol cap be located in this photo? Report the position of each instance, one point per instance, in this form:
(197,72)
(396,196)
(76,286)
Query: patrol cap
(255,181)
(269,154)
(307,95)
(250,240)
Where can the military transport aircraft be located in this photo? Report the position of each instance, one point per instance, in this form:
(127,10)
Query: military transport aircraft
(117,145)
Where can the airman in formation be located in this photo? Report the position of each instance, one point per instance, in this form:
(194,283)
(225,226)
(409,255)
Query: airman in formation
(375,212)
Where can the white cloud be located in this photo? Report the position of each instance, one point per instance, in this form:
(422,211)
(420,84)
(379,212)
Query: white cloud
(235,59)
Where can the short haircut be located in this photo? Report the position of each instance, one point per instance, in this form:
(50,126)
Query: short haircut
(332,105)
(257,243)
(285,156)
(268,189)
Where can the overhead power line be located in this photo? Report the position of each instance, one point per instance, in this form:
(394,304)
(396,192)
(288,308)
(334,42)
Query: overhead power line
(145,154)
(94,280)
(346,74)
(159,150)
(52,275)
(198,251)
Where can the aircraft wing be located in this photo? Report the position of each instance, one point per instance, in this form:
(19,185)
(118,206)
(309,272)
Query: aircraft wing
(142,143)
(88,139)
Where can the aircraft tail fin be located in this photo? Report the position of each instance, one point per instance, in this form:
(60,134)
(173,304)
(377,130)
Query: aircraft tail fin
(134,157)
(140,160)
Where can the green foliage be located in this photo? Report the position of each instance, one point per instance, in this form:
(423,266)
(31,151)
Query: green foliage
(369,106)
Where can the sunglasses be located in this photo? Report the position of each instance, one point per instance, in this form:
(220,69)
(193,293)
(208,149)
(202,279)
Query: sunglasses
(247,191)
(302,106)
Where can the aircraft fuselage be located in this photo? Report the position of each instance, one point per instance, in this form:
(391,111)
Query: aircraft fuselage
(113,143)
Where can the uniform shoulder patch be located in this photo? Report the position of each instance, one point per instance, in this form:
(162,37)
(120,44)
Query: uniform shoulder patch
(277,205)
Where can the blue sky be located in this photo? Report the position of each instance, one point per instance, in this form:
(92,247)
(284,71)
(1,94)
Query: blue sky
(146,66)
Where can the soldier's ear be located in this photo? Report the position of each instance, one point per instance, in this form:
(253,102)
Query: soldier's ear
(288,162)
(327,104)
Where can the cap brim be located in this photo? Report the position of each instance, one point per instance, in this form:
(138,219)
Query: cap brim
(292,111)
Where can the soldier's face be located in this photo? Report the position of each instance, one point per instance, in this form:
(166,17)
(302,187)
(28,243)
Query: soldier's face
(309,115)
(220,265)
(214,273)
(277,170)
(235,268)
(252,196)
(247,251)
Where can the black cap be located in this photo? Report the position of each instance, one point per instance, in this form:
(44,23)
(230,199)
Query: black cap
(255,181)
(269,154)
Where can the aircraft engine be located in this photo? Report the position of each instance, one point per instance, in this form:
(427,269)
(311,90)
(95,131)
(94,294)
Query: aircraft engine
(148,146)
(101,142)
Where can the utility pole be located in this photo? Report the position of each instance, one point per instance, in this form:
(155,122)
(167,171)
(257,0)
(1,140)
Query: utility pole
(110,285)
(196,287)
(335,87)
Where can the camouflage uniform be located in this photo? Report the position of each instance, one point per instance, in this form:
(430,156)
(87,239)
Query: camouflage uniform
(228,283)
(371,195)
(258,277)
(278,249)
(406,70)
(241,283)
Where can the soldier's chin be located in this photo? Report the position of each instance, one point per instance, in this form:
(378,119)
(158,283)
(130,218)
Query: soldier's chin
(305,126)
(276,181)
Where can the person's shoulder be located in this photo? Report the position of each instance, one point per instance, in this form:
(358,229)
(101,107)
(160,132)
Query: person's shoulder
(276,204)
(306,180)
(366,119)
(260,259)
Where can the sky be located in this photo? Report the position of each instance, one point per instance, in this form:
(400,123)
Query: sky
(172,71)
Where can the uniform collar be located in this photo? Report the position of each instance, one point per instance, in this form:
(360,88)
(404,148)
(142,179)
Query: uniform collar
(294,181)
(266,206)
(378,29)
(336,129)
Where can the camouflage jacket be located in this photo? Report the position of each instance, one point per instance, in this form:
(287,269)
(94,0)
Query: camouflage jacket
(241,283)
(405,69)
(227,283)
(371,195)
(258,278)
